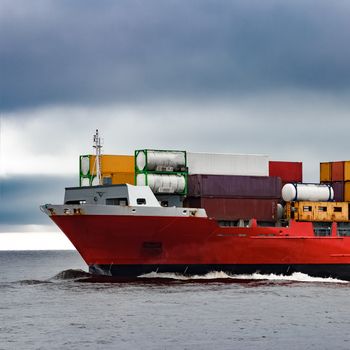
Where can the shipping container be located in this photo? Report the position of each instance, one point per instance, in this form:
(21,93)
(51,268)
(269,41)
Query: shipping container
(347,170)
(113,164)
(160,161)
(123,178)
(338,188)
(337,169)
(347,191)
(234,186)
(287,171)
(109,164)
(317,211)
(235,209)
(227,164)
(325,172)
(118,179)
(115,169)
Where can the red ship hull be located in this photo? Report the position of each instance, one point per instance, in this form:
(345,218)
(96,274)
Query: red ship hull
(129,246)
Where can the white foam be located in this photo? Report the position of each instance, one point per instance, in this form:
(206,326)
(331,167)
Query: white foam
(295,277)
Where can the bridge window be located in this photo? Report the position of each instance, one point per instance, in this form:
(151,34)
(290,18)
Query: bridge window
(76,202)
(107,180)
(141,201)
(117,201)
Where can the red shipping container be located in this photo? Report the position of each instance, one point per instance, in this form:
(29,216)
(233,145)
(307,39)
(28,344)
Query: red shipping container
(235,209)
(337,169)
(287,171)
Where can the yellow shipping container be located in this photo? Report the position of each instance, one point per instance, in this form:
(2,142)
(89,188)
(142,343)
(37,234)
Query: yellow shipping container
(347,191)
(304,211)
(325,172)
(318,211)
(347,170)
(113,164)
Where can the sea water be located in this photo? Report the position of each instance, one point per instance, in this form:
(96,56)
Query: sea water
(45,304)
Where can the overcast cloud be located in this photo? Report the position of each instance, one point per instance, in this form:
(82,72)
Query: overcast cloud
(64,52)
(268,77)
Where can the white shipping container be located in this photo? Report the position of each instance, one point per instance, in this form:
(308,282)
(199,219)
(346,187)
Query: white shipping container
(227,164)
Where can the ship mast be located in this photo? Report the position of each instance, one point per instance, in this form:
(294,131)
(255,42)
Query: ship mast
(97,145)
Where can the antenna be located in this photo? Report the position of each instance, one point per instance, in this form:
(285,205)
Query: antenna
(97,145)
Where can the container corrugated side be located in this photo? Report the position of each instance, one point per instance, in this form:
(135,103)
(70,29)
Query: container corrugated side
(227,164)
(325,172)
(113,164)
(337,171)
(338,188)
(235,209)
(287,171)
(234,186)
(318,211)
(347,170)
(123,178)
(347,191)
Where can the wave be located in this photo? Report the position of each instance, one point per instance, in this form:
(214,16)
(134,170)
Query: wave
(71,274)
(31,282)
(220,275)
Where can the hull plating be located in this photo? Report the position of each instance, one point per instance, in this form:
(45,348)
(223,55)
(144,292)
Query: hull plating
(133,245)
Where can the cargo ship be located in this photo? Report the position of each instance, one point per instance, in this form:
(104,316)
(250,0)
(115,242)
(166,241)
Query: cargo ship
(197,213)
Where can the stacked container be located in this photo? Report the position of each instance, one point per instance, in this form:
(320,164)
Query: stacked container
(318,211)
(337,174)
(287,171)
(234,197)
(227,164)
(232,186)
(164,171)
(115,169)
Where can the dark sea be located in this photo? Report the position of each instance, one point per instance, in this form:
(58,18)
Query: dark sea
(45,303)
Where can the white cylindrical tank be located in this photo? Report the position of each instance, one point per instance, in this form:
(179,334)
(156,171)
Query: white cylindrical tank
(307,192)
(161,183)
(280,211)
(85,165)
(160,160)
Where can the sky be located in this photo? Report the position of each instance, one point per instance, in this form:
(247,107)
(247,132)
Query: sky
(245,76)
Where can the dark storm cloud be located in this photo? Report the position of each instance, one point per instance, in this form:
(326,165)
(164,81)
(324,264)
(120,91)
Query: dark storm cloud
(20,197)
(66,52)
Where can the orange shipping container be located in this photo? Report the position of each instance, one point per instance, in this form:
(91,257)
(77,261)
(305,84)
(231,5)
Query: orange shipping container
(347,191)
(325,172)
(123,178)
(347,170)
(337,171)
(113,164)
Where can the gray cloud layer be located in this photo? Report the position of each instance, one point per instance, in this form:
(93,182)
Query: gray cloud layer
(88,52)
(20,198)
